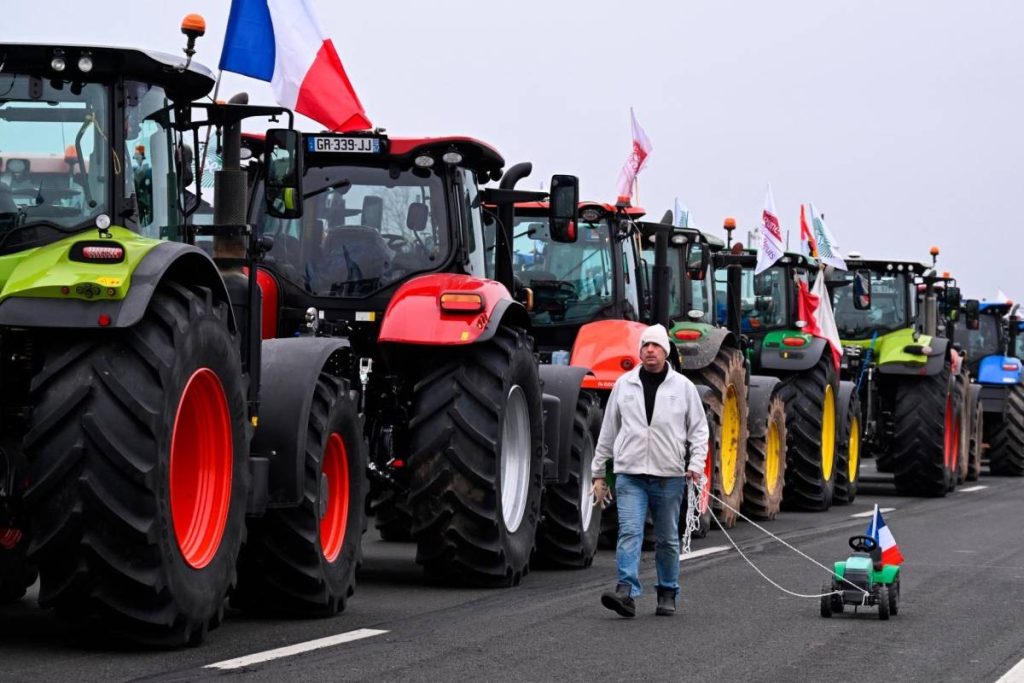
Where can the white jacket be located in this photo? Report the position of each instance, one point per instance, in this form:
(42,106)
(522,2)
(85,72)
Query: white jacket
(659,448)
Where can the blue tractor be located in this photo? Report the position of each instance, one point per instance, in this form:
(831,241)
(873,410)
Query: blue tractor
(991,341)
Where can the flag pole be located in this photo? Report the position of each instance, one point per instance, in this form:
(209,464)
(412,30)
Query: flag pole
(206,142)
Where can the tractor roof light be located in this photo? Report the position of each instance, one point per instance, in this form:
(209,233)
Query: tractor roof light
(590,215)
(452,157)
(85,63)
(934,251)
(424,161)
(58,63)
(679,239)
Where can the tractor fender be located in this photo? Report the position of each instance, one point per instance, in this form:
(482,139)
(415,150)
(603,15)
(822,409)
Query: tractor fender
(414,315)
(888,574)
(797,359)
(700,353)
(165,261)
(606,347)
(936,361)
(564,383)
(288,375)
(759,397)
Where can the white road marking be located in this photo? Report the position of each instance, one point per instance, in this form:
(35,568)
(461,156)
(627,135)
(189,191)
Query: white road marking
(973,488)
(703,552)
(871,512)
(296,649)
(1014,675)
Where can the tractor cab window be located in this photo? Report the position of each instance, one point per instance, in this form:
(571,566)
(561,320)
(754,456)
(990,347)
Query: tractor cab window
(675,278)
(986,340)
(362,229)
(1018,350)
(55,157)
(764,298)
(571,282)
(148,159)
(889,305)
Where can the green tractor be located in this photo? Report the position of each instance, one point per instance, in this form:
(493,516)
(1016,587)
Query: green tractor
(863,580)
(822,418)
(912,382)
(144,422)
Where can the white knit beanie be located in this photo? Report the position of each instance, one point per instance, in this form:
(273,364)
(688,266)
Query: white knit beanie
(658,335)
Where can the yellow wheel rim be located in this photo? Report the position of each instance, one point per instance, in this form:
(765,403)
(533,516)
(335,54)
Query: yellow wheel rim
(854,449)
(828,434)
(730,439)
(773,458)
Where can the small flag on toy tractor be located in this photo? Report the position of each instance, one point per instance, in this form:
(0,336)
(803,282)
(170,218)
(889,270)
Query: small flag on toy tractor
(770,250)
(879,531)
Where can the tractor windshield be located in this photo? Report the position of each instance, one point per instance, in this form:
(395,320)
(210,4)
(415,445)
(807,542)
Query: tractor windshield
(570,281)
(889,309)
(986,340)
(1018,350)
(55,156)
(362,229)
(764,301)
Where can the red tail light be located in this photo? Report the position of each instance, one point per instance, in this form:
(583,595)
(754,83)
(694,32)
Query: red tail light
(1010,367)
(688,335)
(458,302)
(103,253)
(794,341)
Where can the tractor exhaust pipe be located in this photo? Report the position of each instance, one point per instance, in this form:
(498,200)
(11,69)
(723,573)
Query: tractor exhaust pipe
(503,233)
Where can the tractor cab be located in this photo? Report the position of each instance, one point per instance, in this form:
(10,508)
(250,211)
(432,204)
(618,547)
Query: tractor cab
(874,297)
(690,294)
(990,342)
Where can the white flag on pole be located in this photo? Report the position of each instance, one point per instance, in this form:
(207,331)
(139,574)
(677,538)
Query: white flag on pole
(828,248)
(770,249)
(637,158)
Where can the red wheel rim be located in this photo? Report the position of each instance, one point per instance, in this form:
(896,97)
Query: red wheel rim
(334,488)
(202,452)
(709,468)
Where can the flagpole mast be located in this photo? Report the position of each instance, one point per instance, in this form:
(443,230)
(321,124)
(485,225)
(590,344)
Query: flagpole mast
(206,142)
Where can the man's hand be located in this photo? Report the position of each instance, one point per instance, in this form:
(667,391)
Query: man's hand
(600,494)
(693,476)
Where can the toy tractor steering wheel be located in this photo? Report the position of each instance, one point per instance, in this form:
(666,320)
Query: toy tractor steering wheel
(863,544)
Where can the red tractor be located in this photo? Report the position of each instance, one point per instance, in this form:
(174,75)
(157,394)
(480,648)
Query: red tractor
(476,452)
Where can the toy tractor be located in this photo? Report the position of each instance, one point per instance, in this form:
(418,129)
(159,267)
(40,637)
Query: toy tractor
(862,580)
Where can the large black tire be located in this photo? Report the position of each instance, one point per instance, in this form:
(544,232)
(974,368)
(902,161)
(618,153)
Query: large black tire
(463,413)
(811,401)
(766,464)
(977,435)
(16,573)
(961,395)
(104,475)
(302,560)
(1006,443)
(727,402)
(848,447)
(925,438)
(570,524)
(391,515)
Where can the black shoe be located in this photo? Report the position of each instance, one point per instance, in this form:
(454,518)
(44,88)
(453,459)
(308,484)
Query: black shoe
(666,603)
(619,601)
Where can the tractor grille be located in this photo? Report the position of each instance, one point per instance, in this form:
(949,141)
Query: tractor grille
(858,577)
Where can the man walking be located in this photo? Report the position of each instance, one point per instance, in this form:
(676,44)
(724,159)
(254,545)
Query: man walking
(654,415)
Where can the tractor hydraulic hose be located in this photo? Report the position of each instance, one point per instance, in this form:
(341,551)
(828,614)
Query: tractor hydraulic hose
(867,361)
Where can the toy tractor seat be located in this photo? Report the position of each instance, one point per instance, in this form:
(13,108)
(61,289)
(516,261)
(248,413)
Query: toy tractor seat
(866,546)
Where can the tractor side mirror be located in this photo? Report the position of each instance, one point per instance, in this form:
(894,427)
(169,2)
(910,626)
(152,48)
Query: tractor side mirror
(972,314)
(563,207)
(282,160)
(952,299)
(862,290)
(698,257)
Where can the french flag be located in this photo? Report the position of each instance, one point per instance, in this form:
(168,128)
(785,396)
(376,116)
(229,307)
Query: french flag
(880,532)
(281,41)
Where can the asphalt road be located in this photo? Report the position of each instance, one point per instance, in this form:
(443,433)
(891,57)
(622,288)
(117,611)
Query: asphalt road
(958,621)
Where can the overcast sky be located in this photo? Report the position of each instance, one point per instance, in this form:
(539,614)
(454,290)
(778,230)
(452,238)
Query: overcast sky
(900,119)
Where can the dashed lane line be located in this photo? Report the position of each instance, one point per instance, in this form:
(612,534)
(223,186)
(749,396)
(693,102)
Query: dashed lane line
(871,512)
(703,552)
(1014,675)
(977,487)
(298,648)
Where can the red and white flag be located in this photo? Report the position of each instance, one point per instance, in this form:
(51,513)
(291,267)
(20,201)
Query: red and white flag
(878,530)
(808,247)
(815,309)
(637,158)
(770,250)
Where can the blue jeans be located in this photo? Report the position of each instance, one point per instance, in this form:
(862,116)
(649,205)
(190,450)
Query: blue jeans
(633,494)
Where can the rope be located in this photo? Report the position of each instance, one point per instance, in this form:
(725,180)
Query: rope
(867,361)
(693,523)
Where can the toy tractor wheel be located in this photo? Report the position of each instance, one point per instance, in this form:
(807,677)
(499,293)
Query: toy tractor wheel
(570,523)
(766,465)
(810,398)
(837,602)
(926,435)
(977,435)
(894,598)
(848,448)
(138,453)
(16,574)
(727,401)
(302,560)
(476,450)
(826,601)
(883,603)
(1006,449)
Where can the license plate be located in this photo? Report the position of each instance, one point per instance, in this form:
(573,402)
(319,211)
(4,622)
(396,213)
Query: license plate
(353,145)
